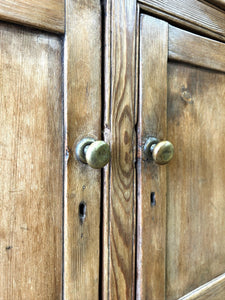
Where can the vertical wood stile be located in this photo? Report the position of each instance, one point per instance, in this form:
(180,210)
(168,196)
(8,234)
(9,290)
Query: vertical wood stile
(119,217)
(151,220)
(107,138)
(82,118)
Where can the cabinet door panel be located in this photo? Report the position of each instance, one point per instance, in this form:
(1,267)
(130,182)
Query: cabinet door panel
(31,164)
(192,222)
(195,194)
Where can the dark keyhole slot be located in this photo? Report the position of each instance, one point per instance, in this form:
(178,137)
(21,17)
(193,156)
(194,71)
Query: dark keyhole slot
(82,211)
(153,200)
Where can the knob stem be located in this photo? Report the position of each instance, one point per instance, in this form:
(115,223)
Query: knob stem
(81,149)
(152,147)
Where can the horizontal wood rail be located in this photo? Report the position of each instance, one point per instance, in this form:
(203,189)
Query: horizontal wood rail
(192,14)
(191,48)
(47,15)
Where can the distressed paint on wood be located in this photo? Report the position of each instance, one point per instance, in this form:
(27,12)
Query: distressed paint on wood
(151,227)
(31,165)
(82,118)
(47,15)
(119,219)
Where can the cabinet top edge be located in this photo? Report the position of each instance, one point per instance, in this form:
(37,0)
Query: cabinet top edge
(192,15)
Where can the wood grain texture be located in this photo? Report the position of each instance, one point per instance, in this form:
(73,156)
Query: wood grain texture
(46,15)
(151,227)
(83,119)
(191,14)
(194,49)
(119,125)
(31,165)
(213,290)
(107,138)
(219,3)
(196,175)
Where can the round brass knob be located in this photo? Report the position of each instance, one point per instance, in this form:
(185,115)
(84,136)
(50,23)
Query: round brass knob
(160,152)
(94,153)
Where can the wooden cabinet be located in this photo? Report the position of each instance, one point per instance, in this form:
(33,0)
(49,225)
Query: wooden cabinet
(181,99)
(171,54)
(118,71)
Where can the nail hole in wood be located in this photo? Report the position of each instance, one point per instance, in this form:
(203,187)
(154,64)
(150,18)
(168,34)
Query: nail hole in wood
(82,211)
(153,200)
(8,248)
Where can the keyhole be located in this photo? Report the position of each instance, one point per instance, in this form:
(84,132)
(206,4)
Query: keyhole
(152,198)
(82,211)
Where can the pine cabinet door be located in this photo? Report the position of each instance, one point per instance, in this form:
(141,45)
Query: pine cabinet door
(181,208)
(31,172)
(50,99)
(31,149)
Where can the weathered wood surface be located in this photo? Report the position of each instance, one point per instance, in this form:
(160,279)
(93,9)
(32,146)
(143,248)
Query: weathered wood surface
(219,3)
(192,14)
(194,49)
(196,175)
(213,290)
(47,15)
(151,179)
(119,218)
(82,118)
(31,165)
(107,137)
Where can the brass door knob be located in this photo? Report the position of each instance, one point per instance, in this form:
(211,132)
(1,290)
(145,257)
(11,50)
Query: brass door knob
(94,153)
(160,152)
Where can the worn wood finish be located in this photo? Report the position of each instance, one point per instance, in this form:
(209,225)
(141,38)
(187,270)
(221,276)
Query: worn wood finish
(219,3)
(196,175)
(193,186)
(119,124)
(31,165)
(191,14)
(107,137)
(46,15)
(213,290)
(82,118)
(191,48)
(151,228)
